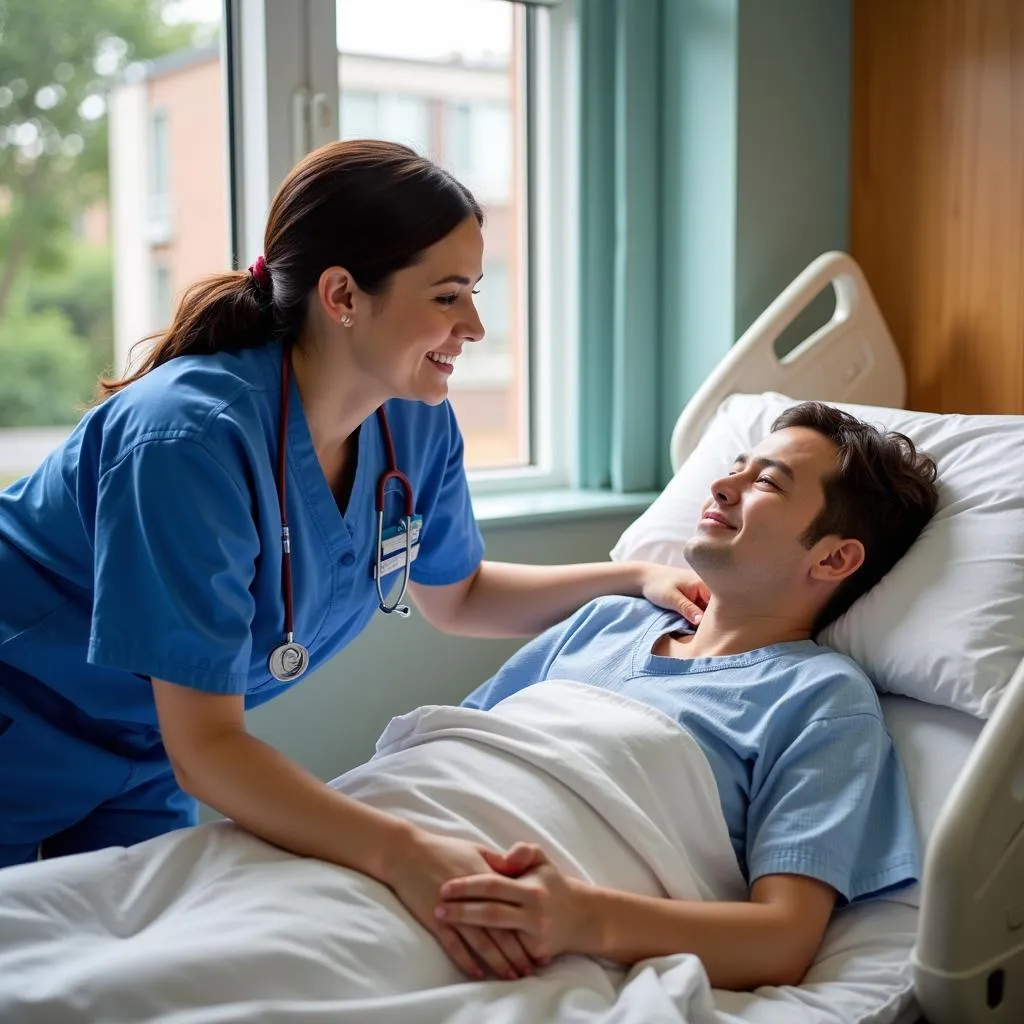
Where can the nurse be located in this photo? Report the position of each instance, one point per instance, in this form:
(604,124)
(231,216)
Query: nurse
(144,579)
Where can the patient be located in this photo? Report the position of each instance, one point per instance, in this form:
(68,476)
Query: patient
(812,792)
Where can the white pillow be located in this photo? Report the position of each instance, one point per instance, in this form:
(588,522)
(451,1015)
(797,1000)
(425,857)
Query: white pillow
(946,625)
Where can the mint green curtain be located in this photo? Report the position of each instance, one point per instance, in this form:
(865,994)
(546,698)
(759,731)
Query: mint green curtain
(620,188)
(714,167)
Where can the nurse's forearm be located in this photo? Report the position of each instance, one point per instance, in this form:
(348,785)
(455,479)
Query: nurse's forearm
(278,800)
(507,599)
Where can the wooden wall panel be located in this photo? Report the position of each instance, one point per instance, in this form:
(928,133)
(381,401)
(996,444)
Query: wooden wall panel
(937,192)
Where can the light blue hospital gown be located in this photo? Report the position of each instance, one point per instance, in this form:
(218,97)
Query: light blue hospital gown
(809,781)
(149,545)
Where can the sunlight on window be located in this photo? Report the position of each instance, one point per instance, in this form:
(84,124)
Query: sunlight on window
(446,78)
(113,187)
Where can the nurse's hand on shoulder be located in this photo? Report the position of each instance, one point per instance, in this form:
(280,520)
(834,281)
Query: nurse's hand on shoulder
(416,872)
(678,590)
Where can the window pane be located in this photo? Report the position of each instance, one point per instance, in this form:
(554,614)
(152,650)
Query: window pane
(112,196)
(446,78)
(358,113)
(163,300)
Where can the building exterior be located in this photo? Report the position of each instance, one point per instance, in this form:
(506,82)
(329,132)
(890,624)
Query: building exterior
(169,202)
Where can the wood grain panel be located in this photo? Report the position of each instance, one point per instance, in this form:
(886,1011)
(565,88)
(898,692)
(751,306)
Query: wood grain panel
(937,192)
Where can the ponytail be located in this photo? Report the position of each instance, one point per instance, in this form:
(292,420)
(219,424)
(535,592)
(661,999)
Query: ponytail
(371,207)
(220,313)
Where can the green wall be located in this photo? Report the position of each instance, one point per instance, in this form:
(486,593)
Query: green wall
(756,124)
(793,159)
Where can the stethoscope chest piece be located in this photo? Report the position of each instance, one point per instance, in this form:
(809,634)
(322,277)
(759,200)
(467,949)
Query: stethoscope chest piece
(288,661)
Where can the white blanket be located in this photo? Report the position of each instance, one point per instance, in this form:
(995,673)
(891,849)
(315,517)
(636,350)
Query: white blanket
(213,925)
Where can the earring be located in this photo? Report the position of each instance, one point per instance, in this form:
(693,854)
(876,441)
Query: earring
(346,320)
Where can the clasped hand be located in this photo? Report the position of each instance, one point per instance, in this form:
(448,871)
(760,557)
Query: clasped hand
(505,913)
(416,872)
(525,895)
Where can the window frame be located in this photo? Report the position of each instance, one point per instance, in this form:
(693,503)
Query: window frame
(283,101)
(551,257)
(280,87)
(158,228)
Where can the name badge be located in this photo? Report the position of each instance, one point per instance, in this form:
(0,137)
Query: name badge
(393,539)
(397,561)
(392,547)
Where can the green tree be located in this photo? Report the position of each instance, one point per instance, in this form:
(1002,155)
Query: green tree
(56,339)
(83,292)
(43,369)
(58,58)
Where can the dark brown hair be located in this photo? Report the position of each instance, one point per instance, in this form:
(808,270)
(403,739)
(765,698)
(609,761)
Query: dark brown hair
(882,493)
(371,207)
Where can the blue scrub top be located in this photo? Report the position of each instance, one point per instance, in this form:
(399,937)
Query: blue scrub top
(149,543)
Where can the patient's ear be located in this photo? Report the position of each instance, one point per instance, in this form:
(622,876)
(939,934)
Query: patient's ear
(837,559)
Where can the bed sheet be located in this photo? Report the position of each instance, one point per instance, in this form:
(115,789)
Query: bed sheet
(213,925)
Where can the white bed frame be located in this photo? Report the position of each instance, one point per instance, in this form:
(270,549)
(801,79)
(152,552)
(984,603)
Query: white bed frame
(969,959)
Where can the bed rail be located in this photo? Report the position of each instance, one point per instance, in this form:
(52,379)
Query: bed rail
(852,358)
(969,958)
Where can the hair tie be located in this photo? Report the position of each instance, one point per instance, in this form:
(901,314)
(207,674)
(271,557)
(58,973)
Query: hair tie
(260,274)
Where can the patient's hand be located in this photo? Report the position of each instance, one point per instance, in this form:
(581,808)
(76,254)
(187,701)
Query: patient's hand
(546,907)
(679,590)
(416,873)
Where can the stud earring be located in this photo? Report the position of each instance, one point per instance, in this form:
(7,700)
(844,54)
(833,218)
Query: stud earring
(346,320)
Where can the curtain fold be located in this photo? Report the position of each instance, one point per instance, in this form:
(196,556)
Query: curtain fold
(620,228)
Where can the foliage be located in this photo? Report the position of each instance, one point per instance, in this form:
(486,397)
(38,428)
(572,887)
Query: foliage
(58,61)
(84,293)
(44,370)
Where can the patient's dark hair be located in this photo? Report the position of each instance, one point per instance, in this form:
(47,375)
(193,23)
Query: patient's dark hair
(882,493)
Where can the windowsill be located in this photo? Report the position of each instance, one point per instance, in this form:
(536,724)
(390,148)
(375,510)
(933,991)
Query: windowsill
(556,505)
(26,447)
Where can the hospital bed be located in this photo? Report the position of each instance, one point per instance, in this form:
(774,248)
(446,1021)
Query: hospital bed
(202,908)
(968,959)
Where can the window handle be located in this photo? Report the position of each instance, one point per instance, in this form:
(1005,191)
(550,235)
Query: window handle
(323,125)
(300,124)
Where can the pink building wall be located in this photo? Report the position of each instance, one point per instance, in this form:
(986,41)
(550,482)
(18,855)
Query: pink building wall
(192,100)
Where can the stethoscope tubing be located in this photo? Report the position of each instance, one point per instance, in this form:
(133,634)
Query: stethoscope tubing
(282,483)
(289,659)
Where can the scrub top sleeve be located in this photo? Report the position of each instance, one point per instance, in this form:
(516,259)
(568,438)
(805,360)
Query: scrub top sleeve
(176,546)
(451,546)
(529,665)
(835,807)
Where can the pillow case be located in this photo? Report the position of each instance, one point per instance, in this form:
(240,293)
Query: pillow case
(946,625)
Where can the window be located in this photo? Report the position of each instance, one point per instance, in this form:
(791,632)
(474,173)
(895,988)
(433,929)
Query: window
(158,210)
(385,115)
(447,77)
(89,170)
(358,115)
(478,146)
(162,304)
(124,175)
(458,137)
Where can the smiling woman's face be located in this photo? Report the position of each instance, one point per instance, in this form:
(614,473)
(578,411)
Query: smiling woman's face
(409,337)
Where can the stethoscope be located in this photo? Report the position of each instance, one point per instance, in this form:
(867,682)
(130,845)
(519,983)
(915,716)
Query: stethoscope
(290,659)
